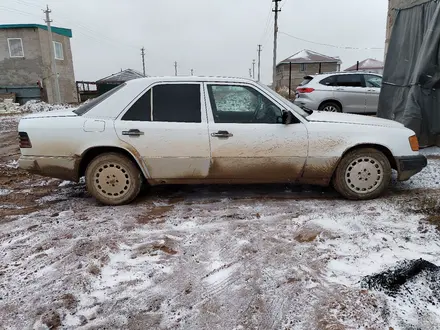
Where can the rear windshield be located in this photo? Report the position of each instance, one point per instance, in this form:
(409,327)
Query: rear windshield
(306,81)
(94,102)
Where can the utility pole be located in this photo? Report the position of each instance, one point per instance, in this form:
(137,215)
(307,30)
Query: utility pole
(175,68)
(275,43)
(250,72)
(253,69)
(192,72)
(259,62)
(53,63)
(143,58)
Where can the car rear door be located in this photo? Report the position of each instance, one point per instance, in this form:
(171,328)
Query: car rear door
(350,92)
(249,143)
(373,84)
(167,127)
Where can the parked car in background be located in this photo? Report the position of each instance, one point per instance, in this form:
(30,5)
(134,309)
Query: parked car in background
(193,130)
(356,92)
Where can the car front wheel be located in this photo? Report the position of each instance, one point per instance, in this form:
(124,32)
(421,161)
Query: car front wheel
(330,107)
(113,179)
(362,174)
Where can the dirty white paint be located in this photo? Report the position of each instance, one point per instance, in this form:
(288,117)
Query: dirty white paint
(253,153)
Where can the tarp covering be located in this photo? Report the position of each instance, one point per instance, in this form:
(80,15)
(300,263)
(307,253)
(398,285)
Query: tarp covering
(411,81)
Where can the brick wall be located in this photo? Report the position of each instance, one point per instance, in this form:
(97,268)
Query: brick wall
(298,75)
(66,75)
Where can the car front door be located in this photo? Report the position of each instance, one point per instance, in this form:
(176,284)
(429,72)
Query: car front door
(350,92)
(373,85)
(167,127)
(249,143)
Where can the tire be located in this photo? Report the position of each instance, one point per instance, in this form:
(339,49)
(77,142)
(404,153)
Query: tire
(330,107)
(362,174)
(113,179)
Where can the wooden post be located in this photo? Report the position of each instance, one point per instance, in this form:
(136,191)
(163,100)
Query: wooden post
(290,80)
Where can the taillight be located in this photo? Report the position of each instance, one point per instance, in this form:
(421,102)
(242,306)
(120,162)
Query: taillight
(25,142)
(305,90)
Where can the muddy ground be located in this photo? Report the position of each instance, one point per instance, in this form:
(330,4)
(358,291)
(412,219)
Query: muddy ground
(218,257)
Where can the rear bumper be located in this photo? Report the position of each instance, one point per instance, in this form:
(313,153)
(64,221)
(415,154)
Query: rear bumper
(303,102)
(409,166)
(65,168)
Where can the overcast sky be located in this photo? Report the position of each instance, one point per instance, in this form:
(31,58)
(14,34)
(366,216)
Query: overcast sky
(213,37)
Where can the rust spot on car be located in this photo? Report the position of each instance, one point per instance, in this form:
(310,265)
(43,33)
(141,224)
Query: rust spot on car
(319,169)
(59,172)
(256,170)
(326,147)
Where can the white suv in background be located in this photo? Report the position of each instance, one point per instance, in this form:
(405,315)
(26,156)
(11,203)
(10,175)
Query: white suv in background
(351,92)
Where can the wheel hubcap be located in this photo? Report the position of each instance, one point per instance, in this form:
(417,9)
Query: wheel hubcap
(364,175)
(330,108)
(112,180)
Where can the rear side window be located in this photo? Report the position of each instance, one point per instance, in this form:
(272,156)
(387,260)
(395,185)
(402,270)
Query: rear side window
(306,81)
(94,102)
(329,81)
(140,110)
(349,80)
(177,103)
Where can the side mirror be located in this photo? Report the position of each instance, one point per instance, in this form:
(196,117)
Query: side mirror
(288,117)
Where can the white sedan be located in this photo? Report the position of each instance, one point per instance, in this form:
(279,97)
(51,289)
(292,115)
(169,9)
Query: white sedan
(192,130)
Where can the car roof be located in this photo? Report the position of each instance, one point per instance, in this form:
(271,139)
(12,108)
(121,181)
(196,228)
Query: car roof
(150,80)
(326,74)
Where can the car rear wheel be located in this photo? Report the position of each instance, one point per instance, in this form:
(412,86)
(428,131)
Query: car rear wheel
(362,174)
(113,179)
(330,107)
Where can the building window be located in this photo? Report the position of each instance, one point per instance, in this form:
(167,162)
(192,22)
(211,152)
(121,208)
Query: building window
(58,47)
(303,67)
(15,47)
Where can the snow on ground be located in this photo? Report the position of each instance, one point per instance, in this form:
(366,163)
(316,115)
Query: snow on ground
(218,257)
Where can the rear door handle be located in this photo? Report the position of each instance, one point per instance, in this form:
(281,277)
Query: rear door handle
(340,89)
(222,134)
(133,132)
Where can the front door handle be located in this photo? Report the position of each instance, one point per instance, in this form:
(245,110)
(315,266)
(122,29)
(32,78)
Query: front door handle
(222,134)
(133,132)
(340,89)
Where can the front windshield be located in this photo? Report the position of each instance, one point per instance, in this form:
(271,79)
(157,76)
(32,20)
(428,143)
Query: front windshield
(287,104)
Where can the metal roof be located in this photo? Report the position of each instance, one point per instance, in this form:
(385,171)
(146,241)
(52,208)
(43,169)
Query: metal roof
(122,76)
(368,64)
(57,30)
(307,56)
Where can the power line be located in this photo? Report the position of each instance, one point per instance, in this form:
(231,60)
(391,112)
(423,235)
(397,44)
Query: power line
(329,45)
(284,4)
(268,21)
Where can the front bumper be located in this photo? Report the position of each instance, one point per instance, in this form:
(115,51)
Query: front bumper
(409,166)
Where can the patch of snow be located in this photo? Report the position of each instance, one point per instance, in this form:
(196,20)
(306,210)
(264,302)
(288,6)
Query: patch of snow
(4,192)
(35,106)
(304,54)
(65,183)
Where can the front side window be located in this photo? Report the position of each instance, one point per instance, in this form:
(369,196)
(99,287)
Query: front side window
(15,47)
(242,105)
(349,80)
(58,47)
(373,81)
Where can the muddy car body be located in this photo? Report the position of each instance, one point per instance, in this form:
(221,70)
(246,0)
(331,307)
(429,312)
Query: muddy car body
(192,130)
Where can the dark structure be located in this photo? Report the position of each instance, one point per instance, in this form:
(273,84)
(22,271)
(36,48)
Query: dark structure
(108,83)
(411,81)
